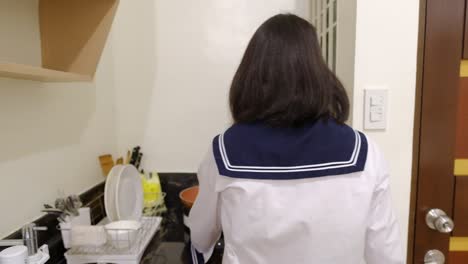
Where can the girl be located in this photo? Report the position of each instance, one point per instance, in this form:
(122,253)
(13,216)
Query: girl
(290,182)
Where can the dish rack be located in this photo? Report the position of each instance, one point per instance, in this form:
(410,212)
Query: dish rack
(125,247)
(127,251)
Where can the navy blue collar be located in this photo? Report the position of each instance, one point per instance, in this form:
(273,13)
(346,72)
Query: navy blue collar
(257,151)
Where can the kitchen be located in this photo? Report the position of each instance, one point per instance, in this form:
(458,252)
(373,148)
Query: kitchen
(161,83)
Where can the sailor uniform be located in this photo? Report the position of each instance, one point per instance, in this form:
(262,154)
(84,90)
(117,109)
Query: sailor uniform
(318,193)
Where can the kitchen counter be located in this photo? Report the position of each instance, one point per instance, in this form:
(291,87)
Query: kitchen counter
(165,248)
(167,253)
(173,253)
(168,246)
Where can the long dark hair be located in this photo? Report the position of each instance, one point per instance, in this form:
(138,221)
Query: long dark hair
(283,80)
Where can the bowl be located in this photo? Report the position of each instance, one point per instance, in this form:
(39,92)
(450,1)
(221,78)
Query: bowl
(188,196)
(122,234)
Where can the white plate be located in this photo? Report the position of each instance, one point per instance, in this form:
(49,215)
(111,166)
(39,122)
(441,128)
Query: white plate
(129,194)
(109,192)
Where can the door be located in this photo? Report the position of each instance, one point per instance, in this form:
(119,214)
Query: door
(441,137)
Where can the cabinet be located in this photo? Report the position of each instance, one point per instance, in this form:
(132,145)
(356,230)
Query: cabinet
(73,35)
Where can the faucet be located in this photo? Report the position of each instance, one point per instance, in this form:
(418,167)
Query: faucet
(29,233)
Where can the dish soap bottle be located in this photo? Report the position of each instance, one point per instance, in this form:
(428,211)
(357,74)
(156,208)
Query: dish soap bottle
(153,195)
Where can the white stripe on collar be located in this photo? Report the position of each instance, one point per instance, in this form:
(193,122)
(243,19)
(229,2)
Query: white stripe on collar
(312,167)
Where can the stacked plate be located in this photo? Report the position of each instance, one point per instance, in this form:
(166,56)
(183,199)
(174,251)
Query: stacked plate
(123,194)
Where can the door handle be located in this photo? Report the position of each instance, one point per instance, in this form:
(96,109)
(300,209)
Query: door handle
(434,256)
(437,219)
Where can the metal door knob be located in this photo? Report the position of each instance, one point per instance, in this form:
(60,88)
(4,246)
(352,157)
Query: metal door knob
(438,220)
(434,256)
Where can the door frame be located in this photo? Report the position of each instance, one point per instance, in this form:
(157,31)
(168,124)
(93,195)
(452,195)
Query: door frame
(436,69)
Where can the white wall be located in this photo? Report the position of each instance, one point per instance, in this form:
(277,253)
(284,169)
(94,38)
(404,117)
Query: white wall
(345,46)
(165,71)
(50,134)
(386,53)
(133,45)
(198,48)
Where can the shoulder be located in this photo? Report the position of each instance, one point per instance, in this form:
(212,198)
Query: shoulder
(318,149)
(376,157)
(207,171)
(376,165)
(328,131)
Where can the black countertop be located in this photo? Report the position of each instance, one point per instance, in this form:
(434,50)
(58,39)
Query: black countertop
(173,253)
(166,253)
(166,248)
(169,244)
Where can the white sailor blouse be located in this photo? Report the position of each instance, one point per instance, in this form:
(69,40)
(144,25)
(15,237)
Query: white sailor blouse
(318,193)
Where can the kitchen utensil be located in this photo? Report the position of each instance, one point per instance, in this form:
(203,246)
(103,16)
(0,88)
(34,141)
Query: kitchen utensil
(110,192)
(73,204)
(109,254)
(129,194)
(60,204)
(41,257)
(119,161)
(77,203)
(134,156)
(122,234)
(14,255)
(92,236)
(70,206)
(188,196)
(83,219)
(129,155)
(107,163)
(138,160)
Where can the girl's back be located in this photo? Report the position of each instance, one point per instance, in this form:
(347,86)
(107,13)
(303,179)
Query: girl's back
(315,194)
(289,181)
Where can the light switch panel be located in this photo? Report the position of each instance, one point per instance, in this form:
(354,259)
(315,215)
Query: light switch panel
(375,109)
(376,100)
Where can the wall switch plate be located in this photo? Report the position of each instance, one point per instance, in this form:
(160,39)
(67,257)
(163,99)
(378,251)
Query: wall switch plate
(375,109)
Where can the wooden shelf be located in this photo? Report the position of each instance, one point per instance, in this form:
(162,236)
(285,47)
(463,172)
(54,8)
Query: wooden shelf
(35,73)
(73,35)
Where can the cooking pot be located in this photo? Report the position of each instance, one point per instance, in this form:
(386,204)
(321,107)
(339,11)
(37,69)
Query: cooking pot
(188,197)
